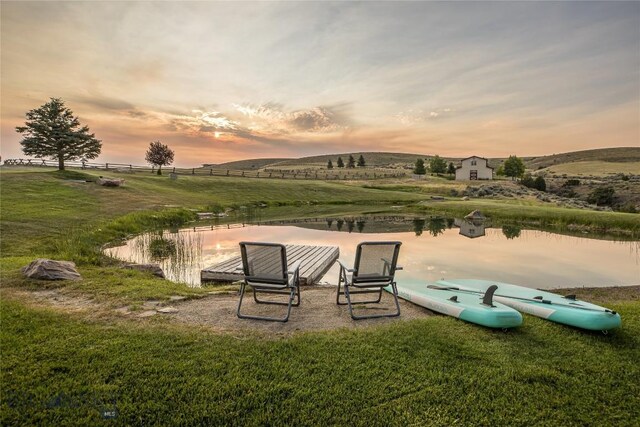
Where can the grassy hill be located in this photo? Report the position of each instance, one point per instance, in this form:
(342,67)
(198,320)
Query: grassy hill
(618,154)
(399,160)
(249,164)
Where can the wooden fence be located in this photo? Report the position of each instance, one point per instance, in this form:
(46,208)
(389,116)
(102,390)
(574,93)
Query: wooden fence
(210,171)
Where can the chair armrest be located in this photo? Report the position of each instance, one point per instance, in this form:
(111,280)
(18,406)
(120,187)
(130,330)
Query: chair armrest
(399,267)
(294,267)
(344,267)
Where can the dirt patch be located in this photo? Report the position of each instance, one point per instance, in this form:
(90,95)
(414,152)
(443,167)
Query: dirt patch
(318,311)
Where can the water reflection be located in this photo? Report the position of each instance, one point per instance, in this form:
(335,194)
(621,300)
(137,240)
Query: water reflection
(433,248)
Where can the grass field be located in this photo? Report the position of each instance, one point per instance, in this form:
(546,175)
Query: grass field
(64,367)
(595,168)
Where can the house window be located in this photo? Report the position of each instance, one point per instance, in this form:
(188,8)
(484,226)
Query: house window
(473,162)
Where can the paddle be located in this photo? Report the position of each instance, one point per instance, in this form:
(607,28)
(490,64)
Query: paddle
(543,301)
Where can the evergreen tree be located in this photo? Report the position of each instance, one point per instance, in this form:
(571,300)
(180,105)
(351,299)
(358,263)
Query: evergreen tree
(437,164)
(329,165)
(159,155)
(361,162)
(419,169)
(340,162)
(514,167)
(52,131)
(352,162)
(451,169)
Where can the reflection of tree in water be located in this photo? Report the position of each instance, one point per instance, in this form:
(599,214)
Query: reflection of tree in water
(360,225)
(437,226)
(511,231)
(329,223)
(339,224)
(350,224)
(418,226)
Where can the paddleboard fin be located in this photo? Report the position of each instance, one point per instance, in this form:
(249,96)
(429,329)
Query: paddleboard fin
(571,297)
(454,298)
(487,299)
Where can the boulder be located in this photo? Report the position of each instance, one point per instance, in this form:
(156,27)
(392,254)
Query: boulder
(110,182)
(48,269)
(151,268)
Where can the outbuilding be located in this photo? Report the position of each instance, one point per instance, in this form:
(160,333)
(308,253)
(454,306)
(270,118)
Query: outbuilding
(473,168)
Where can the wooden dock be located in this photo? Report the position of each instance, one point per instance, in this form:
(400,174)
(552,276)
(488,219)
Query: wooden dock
(316,261)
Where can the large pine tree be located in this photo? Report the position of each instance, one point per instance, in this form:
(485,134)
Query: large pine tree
(52,131)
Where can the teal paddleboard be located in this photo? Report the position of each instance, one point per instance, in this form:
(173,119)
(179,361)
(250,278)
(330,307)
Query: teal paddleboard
(547,305)
(461,305)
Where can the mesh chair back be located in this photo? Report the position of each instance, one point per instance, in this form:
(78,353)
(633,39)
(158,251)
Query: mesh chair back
(264,262)
(376,261)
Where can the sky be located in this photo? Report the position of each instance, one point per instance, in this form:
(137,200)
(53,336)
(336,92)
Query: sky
(222,81)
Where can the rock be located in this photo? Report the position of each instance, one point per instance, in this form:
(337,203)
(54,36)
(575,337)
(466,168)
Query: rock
(177,298)
(437,198)
(110,182)
(151,268)
(167,310)
(147,313)
(465,198)
(48,269)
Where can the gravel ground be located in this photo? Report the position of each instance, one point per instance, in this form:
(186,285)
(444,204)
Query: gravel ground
(317,312)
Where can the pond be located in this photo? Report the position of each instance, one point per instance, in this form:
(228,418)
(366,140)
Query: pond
(432,249)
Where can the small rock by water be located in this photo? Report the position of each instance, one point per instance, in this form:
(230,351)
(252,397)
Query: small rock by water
(48,269)
(151,268)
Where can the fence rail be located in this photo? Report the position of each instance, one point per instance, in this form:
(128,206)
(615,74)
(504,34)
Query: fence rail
(324,175)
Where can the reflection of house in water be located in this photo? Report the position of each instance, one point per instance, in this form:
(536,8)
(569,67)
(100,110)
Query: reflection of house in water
(470,229)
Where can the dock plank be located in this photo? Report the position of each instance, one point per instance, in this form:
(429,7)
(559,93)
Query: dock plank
(316,261)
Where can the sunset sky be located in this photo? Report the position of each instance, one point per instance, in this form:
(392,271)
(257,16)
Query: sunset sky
(227,81)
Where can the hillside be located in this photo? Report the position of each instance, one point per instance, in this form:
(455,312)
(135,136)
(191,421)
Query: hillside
(618,154)
(386,159)
(248,164)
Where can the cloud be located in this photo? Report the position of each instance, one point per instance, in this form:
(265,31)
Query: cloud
(272,117)
(103,102)
(416,117)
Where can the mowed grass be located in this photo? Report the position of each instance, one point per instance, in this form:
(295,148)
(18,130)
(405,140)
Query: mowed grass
(53,204)
(62,368)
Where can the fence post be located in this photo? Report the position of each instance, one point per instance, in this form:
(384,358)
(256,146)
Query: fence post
(258,175)
(106,166)
(153,168)
(227,172)
(174,169)
(193,171)
(211,171)
(131,167)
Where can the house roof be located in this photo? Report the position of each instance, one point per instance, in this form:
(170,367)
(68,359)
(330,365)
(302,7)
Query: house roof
(477,157)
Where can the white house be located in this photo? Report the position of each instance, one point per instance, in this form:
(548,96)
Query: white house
(473,168)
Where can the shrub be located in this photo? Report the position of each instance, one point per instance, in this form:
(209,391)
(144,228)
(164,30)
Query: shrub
(571,183)
(602,196)
(540,184)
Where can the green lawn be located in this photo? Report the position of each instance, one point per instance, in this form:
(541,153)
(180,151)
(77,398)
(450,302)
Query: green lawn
(64,368)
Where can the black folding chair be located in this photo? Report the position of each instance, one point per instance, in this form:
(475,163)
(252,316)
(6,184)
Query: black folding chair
(374,269)
(265,270)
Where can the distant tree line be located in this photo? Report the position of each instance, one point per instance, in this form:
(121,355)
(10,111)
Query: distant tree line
(351,162)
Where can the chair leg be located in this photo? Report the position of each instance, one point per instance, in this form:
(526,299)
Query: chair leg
(373,316)
(292,295)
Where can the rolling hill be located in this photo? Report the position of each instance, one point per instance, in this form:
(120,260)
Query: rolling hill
(386,159)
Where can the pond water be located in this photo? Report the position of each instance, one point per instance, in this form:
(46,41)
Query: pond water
(432,249)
